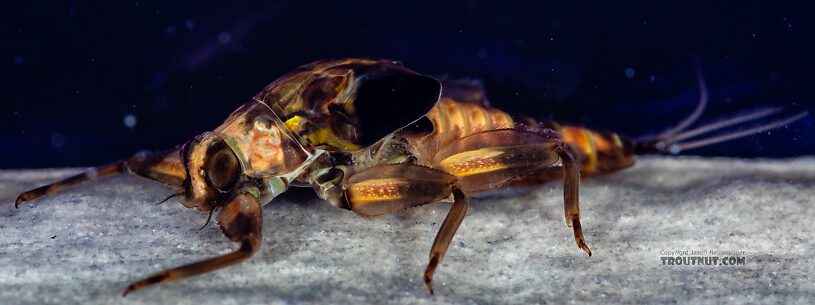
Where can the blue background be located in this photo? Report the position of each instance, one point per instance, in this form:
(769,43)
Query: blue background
(72,72)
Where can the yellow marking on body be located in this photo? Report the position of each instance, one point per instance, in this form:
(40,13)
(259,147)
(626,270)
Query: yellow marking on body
(582,139)
(469,118)
(602,144)
(325,136)
(456,116)
(439,116)
(479,118)
(373,190)
(294,123)
(170,170)
(488,160)
(500,119)
(320,136)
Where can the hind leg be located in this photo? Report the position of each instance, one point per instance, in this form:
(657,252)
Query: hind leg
(496,158)
(571,186)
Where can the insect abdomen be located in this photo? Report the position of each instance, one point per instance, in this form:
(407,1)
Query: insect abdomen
(461,119)
(597,152)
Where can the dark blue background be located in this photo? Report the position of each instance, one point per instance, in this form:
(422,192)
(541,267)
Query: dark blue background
(72,72)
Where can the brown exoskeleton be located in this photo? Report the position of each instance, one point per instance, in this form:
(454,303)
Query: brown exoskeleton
(373,137)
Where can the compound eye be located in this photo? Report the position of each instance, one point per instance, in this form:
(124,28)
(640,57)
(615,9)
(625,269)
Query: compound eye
(223,168)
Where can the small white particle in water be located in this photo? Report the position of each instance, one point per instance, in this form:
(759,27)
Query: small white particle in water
(224,37)
(57,140)
(130,121)
(787,22)
(629,72)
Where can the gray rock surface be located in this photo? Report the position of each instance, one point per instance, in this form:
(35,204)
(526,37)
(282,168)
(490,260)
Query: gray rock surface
(84,245)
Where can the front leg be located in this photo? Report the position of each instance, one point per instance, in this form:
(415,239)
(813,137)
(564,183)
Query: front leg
(241,220)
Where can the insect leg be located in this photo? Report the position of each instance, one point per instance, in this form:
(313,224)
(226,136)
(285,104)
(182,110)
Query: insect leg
(164,167)
(241,221)
(491,159)
(496,158)
(389,188)
(445,236)
(571,185)
(94,173)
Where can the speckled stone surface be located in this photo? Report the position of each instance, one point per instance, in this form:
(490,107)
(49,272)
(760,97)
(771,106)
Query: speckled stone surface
(86,244)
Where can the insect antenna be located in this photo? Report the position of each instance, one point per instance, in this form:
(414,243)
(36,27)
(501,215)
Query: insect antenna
(208,219)
(169,197)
